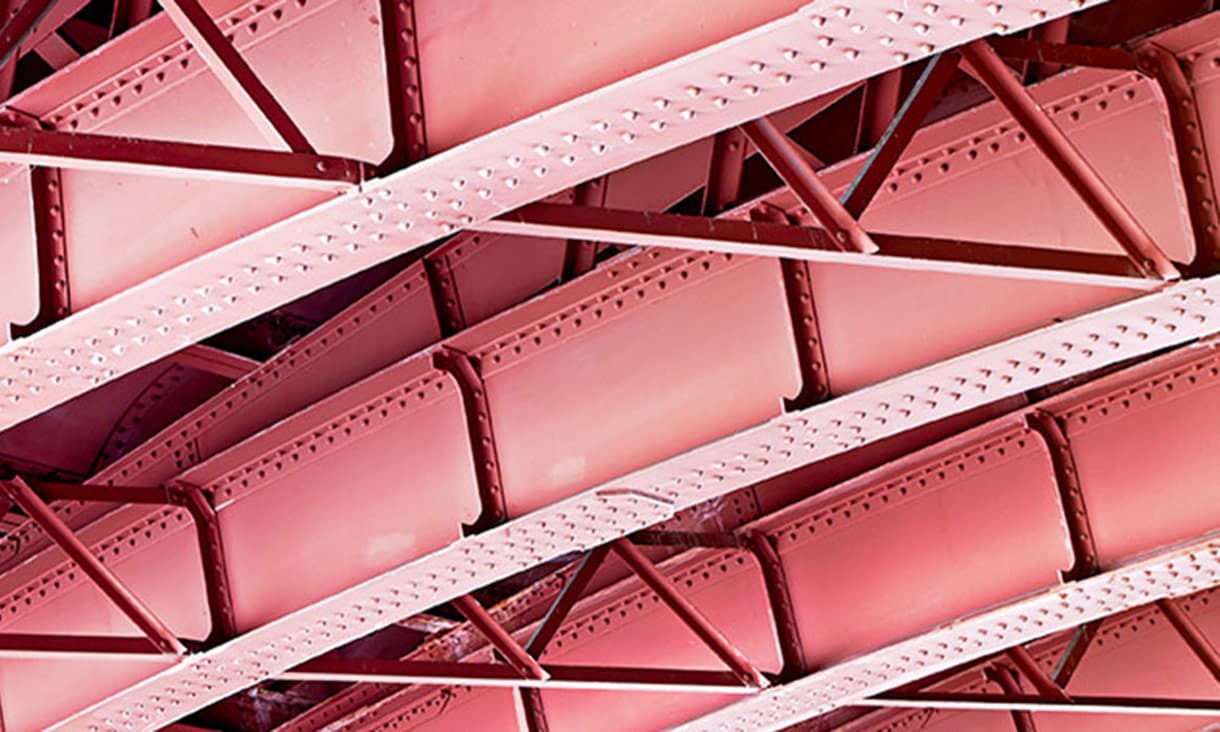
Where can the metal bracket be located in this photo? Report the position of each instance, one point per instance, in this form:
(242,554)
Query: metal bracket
(50,238)
(469,382)
(211,552)
(787,629)
(1071,498)
(405,87)
(1194,164)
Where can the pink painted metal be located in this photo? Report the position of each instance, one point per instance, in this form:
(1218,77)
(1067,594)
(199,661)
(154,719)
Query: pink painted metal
(531,159)
(340,474)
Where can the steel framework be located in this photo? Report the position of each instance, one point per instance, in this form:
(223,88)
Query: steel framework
(832,366)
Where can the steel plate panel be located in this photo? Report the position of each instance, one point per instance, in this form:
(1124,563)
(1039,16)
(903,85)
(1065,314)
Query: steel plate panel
(174,221)
(1146,461)
(877,323)
(395,491)
(945,525)
(660,382)
(976,175)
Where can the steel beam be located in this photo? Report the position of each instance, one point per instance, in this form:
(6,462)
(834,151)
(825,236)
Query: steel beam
(567,598)
(254,98)
(482,436)
(19,26)
(784,613)
(1064,156)
(1034,673)
(781,154)
(207,530)
(127,14)
(723,186)
(50,240)
(742,668)
(592,678)
(1077,646)
(158,633)
(1071,496)
(517,657)
(31,646)
(579,255)
(393,214)
(1006,679)
(871,676)
(86,151)
(894,140)
(1029,703)
(403,85)
(215,361)
(1050,52)
(1194,162)
(815,245)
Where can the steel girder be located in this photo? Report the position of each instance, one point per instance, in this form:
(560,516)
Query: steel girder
(825,541)
(743,78)
(1157,340)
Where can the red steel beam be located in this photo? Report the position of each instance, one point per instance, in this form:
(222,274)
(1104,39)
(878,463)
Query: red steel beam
(128,14)
(1035,674)
(215,361)
(477,411)
(781,154)
(598,678)
(1033,703)
(26,645)
(1071,496)
(105,153)
(255,99)
(742,668)
(1006,679)
(20,25)
(518,659)
(795,242)
(898,134)
(158,633)
(1048,52)
(1194,161)
(1079,644)
(1061,153)
(567,598)
(404,85)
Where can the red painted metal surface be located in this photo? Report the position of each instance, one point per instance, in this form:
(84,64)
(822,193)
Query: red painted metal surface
(952,453)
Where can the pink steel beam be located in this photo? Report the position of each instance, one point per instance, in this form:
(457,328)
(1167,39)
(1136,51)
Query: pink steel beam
(84,151)
(158,633)
(1029,703)
(503,170)
(1175,314)
(866,678)
(639,228)
(781,154)
(255,99)
(1068,161)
